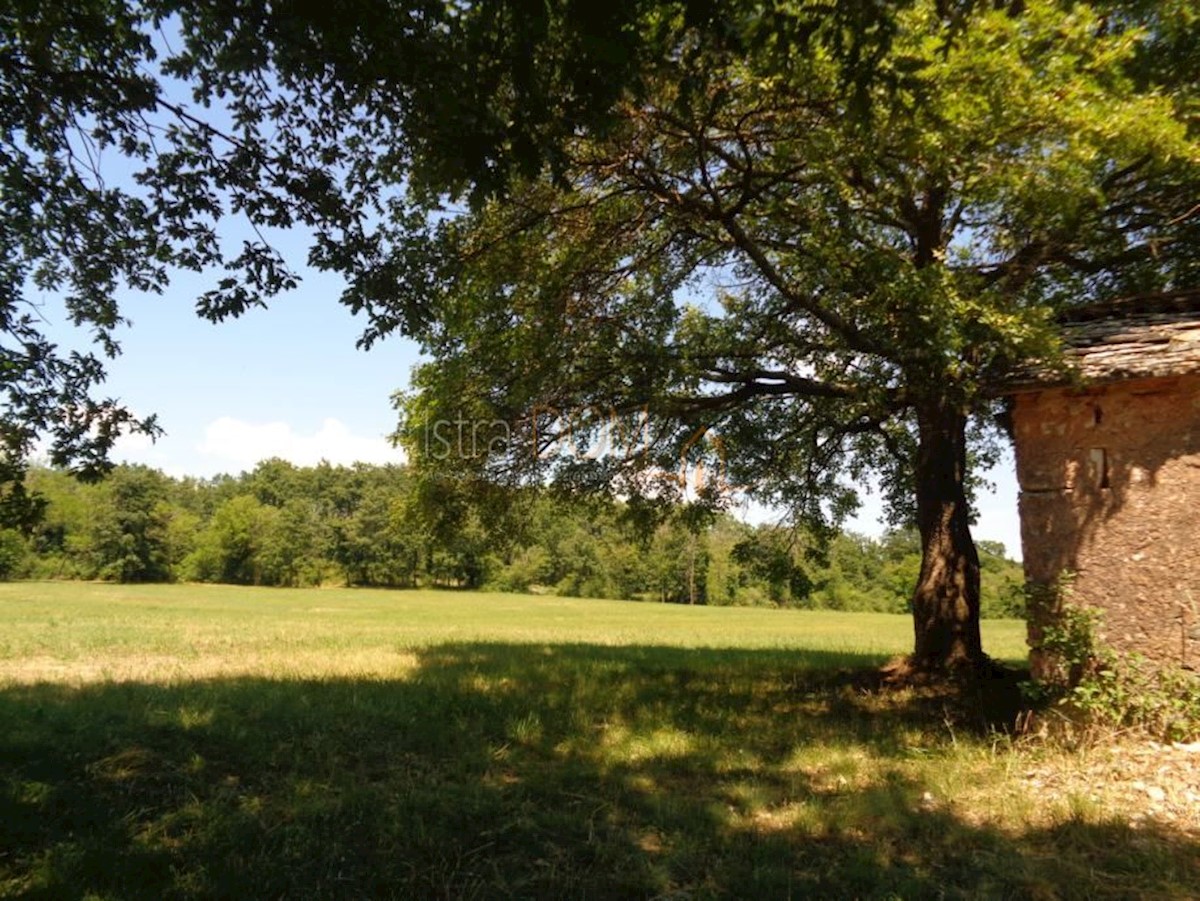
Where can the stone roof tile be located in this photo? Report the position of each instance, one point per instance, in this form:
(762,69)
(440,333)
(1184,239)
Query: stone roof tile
(1130,339)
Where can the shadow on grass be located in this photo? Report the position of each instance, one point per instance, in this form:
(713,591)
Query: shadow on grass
(492,770)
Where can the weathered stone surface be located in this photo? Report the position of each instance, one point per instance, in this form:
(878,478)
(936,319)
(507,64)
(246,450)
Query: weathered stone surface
(1110,492)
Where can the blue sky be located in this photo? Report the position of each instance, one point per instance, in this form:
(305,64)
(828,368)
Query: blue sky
(284,381)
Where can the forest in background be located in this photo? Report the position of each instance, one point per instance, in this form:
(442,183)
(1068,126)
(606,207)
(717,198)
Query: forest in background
(367,525)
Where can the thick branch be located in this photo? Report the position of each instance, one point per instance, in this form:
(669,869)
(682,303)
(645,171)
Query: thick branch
(778,382)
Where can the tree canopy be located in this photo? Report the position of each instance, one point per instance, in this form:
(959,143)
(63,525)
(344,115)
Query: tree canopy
(805,240)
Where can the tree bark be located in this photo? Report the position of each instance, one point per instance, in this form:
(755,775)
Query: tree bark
(946,600)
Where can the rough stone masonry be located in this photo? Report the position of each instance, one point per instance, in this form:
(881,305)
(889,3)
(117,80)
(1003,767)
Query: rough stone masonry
(1109,471)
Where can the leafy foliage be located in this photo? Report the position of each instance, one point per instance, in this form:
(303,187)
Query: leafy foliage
(130,527)
(867,266)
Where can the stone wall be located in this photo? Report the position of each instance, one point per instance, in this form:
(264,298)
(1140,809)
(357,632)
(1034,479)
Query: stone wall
(1110,492)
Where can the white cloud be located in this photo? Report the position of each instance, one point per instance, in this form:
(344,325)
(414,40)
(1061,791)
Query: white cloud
(241,445)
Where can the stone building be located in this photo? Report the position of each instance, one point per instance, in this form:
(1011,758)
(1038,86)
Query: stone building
(1109,470)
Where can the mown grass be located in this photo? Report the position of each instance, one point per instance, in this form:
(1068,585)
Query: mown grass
(196,743)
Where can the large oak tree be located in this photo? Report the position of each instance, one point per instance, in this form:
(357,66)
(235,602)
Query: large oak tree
(810,274)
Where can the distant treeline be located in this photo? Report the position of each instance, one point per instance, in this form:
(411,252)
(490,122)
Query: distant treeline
(376,526)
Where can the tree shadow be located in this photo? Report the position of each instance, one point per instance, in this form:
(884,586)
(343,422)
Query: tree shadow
(507,770)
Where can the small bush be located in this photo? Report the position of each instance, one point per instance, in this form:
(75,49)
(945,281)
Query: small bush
(1095,687)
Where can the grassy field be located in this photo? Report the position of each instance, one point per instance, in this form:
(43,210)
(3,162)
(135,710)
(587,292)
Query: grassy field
(72,631)
(185,742)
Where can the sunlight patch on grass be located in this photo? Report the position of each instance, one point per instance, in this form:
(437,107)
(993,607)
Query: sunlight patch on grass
(627,746)
(791,816)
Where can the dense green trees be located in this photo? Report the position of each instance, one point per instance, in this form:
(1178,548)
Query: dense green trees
(365,525)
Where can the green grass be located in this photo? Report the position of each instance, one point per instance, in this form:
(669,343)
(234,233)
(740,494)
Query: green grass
(183,743)
(86,630)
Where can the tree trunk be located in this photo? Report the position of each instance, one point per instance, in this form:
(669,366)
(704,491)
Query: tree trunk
(946,599)
(691,569)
